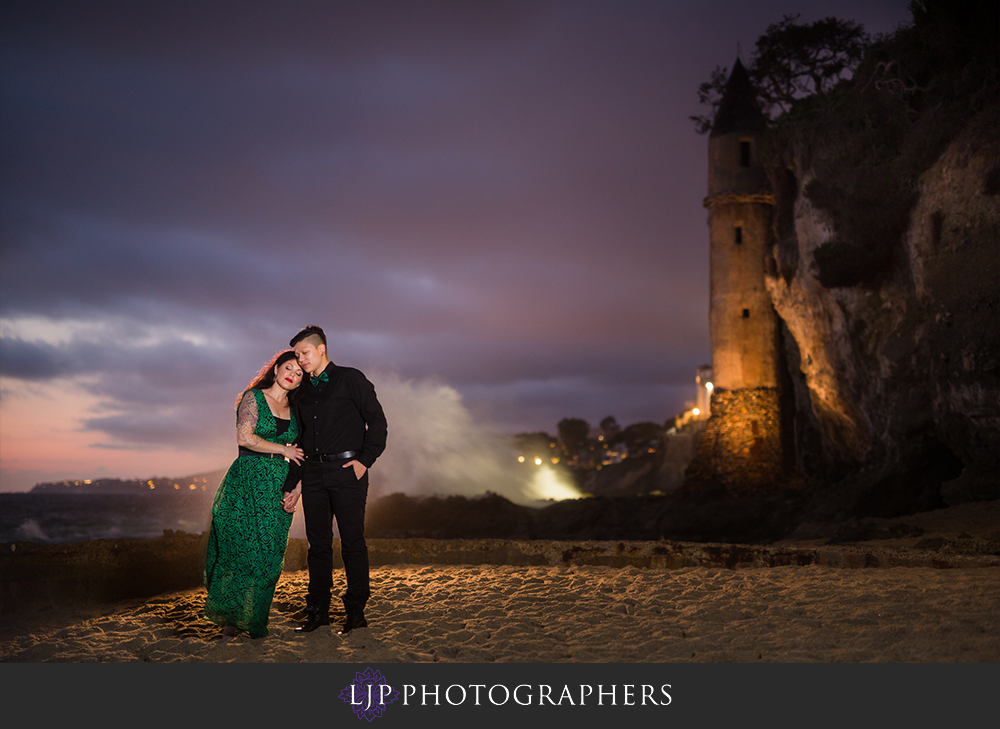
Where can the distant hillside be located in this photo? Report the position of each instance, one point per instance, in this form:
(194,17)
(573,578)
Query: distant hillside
(196,484)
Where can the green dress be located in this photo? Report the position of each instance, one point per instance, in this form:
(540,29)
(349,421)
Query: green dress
(249,532)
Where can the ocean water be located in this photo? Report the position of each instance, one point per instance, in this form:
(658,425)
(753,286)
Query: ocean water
(58,518)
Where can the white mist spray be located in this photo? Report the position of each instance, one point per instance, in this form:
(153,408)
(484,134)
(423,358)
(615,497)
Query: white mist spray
(435,448)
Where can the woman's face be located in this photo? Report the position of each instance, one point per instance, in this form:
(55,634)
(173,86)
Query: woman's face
(288,374)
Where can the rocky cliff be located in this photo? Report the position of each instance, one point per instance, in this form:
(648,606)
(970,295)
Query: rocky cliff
(895,375)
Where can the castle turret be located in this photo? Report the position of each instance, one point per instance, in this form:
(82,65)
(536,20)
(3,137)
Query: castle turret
(742,445)
(742,321)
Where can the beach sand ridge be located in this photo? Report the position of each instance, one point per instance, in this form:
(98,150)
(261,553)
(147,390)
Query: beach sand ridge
(577,613)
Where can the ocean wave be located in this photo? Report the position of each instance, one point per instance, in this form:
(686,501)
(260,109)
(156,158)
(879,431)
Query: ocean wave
(31,531)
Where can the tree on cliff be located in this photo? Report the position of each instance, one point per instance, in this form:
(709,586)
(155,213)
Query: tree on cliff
(791,61)
(870,141)
(573,433)
(534,445)
(639,436)
(610,427)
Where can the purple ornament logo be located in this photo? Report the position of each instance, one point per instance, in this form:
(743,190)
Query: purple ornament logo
(369,694)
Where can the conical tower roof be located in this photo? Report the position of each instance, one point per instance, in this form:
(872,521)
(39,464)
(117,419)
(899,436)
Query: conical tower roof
(738,111)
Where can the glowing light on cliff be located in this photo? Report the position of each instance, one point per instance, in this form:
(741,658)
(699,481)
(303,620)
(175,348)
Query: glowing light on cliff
(549,485)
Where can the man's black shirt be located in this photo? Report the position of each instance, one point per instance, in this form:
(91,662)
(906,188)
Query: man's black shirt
(334,416)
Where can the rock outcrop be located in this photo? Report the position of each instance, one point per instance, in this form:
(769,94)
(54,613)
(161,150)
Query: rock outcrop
(897,385)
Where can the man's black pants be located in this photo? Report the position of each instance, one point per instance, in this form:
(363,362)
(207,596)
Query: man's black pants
(331,491)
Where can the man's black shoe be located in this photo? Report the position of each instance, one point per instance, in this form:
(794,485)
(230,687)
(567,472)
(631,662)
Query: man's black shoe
(357,620)
(314,619)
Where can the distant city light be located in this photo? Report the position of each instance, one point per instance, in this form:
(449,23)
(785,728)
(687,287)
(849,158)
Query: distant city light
(696,411)
(520,459)
(538,461)
(709,386)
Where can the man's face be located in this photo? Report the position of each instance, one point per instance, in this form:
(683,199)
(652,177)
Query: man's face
(310,355)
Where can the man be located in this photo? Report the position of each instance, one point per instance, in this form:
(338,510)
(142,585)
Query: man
(343,432)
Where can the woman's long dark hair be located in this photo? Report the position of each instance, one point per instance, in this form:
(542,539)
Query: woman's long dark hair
(265,377)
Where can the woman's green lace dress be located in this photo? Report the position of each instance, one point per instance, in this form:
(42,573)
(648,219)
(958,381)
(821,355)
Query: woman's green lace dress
(249,533)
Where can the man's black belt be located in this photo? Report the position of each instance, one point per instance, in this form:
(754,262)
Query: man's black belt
(328,457)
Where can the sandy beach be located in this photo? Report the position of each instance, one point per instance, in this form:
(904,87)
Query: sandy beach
(593,614)
(894,596)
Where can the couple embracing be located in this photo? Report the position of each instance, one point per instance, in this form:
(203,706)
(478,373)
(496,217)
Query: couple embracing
(305,427)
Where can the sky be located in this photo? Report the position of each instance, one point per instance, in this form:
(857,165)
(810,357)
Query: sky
(492,208)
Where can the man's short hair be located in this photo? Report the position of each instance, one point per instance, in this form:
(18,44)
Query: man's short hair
(309,331)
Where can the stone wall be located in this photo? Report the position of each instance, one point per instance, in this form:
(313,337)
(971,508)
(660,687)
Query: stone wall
(742,448)
(742,321)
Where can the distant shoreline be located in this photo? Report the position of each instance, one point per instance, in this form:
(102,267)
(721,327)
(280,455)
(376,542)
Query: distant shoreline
(202,482)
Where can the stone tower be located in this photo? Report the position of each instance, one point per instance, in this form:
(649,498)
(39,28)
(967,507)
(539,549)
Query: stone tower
(742,447)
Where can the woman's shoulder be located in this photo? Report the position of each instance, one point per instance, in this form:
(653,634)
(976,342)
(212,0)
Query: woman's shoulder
(254,393)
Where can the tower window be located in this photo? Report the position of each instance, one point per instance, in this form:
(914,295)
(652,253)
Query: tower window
(746,313)
(739,235)
(744,154)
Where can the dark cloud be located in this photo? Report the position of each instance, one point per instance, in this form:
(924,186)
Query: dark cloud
(31,360)
(151,387)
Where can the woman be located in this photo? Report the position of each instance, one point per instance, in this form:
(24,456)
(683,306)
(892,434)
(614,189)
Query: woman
(246,543)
